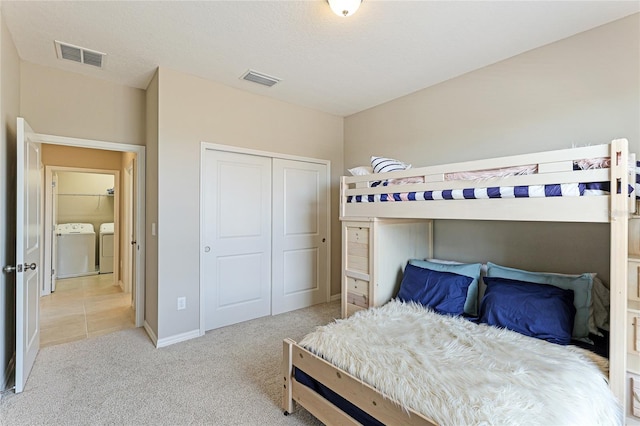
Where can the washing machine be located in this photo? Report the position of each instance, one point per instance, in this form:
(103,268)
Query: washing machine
(75,250)
(106,248)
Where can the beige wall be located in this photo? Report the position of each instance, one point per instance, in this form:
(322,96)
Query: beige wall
(67,104)
(581,90)
(87,158)
(151,193)
(192,110)
(9,107)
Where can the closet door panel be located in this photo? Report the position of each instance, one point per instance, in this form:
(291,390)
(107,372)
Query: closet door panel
(300,234)
(237,237)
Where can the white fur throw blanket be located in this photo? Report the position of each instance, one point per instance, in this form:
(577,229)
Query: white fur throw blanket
(459,373)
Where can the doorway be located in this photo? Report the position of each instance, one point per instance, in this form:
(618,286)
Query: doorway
(125,164)
(83,294)
(81,211)
(29,235)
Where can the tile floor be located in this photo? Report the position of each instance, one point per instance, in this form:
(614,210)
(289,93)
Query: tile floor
(84,307)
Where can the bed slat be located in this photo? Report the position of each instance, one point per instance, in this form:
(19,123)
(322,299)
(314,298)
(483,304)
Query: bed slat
(321,409)
(358,393)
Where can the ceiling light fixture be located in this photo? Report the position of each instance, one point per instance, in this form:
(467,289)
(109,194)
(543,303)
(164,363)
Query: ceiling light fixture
(344,7)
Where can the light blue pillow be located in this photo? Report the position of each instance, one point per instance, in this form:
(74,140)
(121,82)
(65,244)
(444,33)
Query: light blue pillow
(471,270)
(580,284)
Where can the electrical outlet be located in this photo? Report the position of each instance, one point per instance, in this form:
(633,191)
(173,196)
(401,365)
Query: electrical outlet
(182,303)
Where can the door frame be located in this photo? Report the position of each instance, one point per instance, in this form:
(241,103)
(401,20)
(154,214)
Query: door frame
(204,146)
(139,214)
(48,219)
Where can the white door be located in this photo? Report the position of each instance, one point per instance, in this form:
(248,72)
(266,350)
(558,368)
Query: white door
(236,246)
(300,240)
(28,252)
(54,223)
(129,239)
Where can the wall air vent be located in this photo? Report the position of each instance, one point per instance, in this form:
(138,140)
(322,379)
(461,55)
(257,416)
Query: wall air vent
(79,54)
(260,78)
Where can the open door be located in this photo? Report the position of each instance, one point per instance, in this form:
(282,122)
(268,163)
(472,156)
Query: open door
(28,252)
(130,243)
(54,224)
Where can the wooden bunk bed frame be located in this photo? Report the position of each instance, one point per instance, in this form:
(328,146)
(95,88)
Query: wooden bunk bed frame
(552,167)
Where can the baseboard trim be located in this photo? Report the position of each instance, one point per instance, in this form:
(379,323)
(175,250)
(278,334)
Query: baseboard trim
(335,297)
(161,343)
(151,334)
(7,373)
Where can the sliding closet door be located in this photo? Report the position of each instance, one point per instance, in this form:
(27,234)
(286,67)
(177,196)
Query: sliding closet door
(300,240)
(237,237)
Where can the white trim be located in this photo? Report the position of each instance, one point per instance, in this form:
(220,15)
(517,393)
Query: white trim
(201,277)
(140,151)
(335,297)
(238,150)
(151,334)
(228,148)
(88,143)
(177,338)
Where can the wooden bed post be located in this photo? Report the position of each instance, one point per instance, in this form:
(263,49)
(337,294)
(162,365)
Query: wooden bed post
(287,371)
(343,202)
(619,251)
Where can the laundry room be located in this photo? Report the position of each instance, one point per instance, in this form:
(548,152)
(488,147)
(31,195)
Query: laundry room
(84,223)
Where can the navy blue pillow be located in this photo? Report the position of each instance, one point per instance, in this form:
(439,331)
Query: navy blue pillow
(444,292)
(537,310)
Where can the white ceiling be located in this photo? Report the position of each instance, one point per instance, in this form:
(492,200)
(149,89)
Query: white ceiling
(338,65)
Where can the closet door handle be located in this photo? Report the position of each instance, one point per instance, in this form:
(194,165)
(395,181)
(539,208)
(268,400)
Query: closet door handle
(133,243)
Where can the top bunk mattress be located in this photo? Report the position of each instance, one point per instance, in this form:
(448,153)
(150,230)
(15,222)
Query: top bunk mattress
(492,192)
(573,173)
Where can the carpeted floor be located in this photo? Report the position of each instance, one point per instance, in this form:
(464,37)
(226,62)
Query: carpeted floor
(230,376)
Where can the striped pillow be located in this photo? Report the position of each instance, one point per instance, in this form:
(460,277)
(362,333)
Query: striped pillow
(383,165)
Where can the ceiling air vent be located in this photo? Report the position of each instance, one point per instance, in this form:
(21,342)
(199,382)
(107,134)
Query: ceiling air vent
(256,77)
(79,54)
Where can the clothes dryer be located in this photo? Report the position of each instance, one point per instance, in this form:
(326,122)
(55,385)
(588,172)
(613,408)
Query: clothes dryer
(106,248)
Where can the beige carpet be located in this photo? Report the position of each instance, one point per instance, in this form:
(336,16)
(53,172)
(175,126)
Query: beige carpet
(230,376)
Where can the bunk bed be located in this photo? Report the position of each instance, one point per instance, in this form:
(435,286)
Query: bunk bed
(409,200)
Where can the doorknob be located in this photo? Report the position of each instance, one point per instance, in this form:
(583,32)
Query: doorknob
(33,266)
(133,243)
(8,269)
(18,268)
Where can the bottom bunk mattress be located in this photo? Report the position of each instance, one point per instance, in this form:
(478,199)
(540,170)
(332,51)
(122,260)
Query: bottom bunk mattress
(457,372)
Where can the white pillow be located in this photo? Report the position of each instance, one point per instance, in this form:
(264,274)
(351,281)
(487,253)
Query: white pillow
(361,171)
(383,165)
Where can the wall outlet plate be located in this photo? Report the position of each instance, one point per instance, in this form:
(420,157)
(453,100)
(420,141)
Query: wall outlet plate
(182,303)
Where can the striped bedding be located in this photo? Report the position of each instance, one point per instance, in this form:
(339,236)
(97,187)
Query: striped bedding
(530,191)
